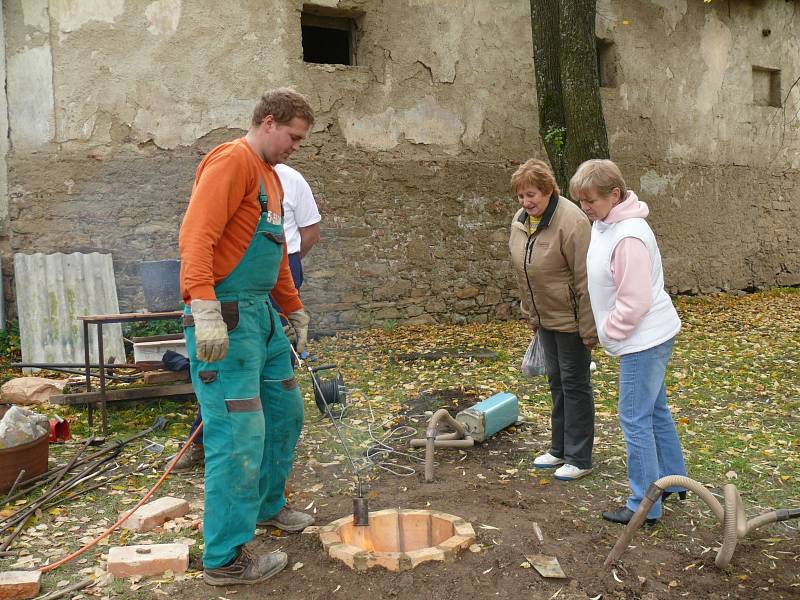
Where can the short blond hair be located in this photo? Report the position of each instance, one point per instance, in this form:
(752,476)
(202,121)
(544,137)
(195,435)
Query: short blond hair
(598,175)
(535,173)
(284,104)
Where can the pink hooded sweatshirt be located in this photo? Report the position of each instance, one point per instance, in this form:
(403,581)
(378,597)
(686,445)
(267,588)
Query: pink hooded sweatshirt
(630,264)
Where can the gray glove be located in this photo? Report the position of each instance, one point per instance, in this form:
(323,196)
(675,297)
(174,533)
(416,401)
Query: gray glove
(288,330)
(299,321)
(210,331)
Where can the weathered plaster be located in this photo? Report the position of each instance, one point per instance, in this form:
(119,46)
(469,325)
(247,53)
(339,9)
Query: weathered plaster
(413,148)
(425,123)
(674,11)
(30,97)
(652,183)
(3,137)
(164,16)
(35,14)
(715,43)
(71,15)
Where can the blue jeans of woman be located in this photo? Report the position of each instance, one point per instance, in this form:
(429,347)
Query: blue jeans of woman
(653,447)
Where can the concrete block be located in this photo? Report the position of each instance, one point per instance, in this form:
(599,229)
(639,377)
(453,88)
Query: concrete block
(415,529)
(453,546)
(464,529)
(424,555)
(156,513)
(150,559)
(329,538)
(387,560)
(385,526)
(19,585)
(346,553)
(441,528)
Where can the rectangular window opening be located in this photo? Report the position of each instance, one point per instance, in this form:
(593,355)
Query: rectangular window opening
(766,86)
(328,39)
(607,63)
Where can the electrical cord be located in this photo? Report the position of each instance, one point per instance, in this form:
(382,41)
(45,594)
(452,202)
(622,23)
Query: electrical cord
(381,451)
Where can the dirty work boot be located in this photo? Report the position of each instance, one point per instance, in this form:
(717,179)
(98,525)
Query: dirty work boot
(195,457)
(247,569)
(289,520)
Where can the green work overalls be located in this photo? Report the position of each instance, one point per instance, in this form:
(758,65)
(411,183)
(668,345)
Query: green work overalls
(251,405)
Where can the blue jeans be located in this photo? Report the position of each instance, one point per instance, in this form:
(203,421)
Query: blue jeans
(653,447)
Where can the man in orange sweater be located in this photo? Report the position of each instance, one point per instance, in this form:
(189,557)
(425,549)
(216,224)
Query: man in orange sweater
(233,256)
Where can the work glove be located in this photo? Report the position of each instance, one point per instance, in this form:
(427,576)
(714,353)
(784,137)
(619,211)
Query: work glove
(210,331)
(289,331)
(299,321)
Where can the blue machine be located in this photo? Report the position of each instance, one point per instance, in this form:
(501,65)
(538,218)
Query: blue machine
(489,416)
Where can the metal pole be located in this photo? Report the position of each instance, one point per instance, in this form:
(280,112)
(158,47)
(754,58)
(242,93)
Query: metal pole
(88,359)
(100,357)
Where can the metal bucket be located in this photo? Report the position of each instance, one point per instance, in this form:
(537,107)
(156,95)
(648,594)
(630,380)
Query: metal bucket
(161,284)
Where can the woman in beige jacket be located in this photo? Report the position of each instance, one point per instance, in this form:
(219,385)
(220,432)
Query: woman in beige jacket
(548,243)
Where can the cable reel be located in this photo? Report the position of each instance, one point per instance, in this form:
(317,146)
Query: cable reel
(330,391)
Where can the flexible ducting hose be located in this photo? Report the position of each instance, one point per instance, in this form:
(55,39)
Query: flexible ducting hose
(457,439)
(734,522)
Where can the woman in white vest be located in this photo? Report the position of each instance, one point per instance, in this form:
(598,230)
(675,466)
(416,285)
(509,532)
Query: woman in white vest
(636,321)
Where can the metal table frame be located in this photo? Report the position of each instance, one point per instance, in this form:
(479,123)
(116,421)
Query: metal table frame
(101,320)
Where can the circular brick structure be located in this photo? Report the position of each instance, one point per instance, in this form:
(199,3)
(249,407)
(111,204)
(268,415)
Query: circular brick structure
(397,539)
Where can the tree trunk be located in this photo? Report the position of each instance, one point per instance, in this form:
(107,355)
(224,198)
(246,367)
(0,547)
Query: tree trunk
(571,122)
(552,125)
(580,84)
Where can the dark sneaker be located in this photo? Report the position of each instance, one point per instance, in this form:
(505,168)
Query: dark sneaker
(289,520)
(195,457)
(247,569)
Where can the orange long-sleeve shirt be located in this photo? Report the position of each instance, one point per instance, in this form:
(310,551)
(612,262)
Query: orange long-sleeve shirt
(221,219)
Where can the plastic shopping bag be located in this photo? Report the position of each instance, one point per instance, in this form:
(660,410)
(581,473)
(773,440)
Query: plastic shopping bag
(533,362)
(20,426)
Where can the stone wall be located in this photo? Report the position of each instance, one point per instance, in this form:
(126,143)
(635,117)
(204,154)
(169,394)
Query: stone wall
(112,105)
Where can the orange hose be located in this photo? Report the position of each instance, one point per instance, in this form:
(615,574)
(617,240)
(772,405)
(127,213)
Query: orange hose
(110,530)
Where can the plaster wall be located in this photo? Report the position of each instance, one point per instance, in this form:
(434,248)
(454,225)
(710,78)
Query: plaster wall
(3,136)
(720,172)
(112,104)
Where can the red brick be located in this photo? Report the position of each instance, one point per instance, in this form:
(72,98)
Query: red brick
(154,514)
(151,559)
(19,585)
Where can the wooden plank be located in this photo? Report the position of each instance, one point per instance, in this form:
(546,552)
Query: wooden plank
(158,338)
(151,377)
(138,393)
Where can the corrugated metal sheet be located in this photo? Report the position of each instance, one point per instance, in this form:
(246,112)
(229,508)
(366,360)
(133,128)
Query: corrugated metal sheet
(52,291)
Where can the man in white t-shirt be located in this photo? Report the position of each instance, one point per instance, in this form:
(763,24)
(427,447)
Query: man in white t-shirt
(300,218)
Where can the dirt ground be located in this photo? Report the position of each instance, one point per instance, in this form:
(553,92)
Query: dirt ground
(674,559)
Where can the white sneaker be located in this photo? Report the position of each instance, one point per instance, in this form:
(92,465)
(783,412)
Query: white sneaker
(547,461)
(569,472)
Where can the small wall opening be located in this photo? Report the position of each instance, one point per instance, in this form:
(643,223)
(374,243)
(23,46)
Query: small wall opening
(607,63)
(766,86)
(328,39)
